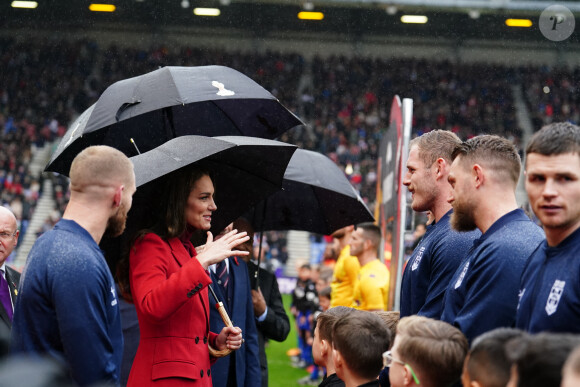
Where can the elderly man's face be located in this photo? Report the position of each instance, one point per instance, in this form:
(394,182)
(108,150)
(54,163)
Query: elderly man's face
(8,234)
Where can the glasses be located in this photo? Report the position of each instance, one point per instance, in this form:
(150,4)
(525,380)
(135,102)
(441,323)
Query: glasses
(6,236)
(388,360)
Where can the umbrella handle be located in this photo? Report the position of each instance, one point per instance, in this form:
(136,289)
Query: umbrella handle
(228,323)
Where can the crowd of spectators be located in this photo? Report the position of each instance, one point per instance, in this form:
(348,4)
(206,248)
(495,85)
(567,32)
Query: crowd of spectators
(552,94)
(345,101)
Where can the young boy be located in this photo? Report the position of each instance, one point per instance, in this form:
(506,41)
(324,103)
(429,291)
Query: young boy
(323,305)
(486,364)
(304,304)
(426,352)
(359,341)
(322,346)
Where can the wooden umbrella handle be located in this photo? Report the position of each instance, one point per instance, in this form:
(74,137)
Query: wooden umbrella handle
(228,323)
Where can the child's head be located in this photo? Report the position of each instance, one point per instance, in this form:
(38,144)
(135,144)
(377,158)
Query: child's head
(486,363)
(426,350)
(359,341)
(537,360)
(315,274)
(324,298)
(391,319)
(304,272)
(324,278)
(322,345)
(571,370)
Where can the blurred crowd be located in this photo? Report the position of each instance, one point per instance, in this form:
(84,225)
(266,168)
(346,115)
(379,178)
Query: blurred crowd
(344,100)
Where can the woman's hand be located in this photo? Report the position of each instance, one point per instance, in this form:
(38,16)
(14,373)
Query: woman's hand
(218,250)
(229,338)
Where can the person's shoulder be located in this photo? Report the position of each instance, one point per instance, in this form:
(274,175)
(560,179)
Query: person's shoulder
(148,238)
(12,272)
(520,235)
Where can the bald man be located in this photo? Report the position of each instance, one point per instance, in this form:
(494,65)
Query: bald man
(9,277)
(67,307)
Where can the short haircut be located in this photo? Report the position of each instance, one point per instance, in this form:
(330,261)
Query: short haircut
(325,292)
(305,266)
(325,321)
(371,232)
(488,362)
(555,139)
(434,348)
(494,152)
(573,361)
(435,144)
(539,358)
(361,338)
(391,319)
(100,165)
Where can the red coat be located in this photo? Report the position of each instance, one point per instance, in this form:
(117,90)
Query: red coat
(170,293)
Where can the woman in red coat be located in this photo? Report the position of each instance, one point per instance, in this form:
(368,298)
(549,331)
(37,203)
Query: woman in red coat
(168,282)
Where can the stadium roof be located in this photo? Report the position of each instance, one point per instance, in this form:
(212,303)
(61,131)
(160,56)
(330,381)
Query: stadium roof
(452,19)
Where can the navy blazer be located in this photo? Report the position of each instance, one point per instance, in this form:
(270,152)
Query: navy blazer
(241,312)
(13,278)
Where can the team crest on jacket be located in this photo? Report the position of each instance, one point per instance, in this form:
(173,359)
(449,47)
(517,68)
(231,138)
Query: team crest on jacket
(554,297)
(417,260)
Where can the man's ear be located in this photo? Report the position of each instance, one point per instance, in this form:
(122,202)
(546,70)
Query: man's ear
(441,169)
(478,175)
(474,383)
(118,196)
(337,359)
(324,346)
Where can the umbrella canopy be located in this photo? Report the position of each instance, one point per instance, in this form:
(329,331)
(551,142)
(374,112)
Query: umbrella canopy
(316,196)
(171,102)
(245,170)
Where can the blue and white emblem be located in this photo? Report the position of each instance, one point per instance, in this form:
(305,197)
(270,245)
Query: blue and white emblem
(554,297)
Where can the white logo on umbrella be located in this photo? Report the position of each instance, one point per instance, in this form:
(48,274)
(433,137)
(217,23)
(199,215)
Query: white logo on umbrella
(222,91)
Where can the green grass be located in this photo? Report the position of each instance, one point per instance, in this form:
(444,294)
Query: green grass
(280,371)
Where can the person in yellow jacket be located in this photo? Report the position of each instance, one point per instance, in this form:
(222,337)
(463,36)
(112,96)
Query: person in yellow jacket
(345,270)
(372,288)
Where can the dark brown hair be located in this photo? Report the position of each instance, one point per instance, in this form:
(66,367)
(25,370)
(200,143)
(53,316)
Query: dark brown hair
(371,232)
(325,321)
(488,363)
(555,139)
(539,358)
(361,338)
(165,217)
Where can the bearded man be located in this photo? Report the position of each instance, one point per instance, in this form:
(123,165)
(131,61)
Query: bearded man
(483,293)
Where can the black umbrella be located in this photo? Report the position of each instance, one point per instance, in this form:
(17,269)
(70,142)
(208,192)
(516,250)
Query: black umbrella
(245,170)
(171,102)
(316,196)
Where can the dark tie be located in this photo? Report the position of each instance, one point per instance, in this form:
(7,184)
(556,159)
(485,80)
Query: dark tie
(5,295)
(222,273)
